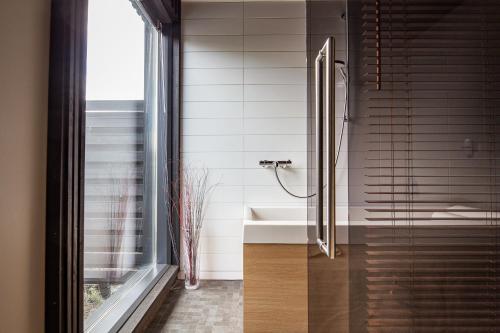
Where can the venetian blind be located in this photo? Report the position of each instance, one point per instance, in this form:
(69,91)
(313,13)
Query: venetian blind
(424,152)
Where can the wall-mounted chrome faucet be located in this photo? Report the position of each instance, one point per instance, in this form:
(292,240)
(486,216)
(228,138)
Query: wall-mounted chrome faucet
(275,164)
(282,165)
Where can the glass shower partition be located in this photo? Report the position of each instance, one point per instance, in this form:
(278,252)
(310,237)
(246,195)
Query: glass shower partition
(327,166)
(420,250)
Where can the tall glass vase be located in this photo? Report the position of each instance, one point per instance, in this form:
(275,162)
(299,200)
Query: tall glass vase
(191,209)
(192,267)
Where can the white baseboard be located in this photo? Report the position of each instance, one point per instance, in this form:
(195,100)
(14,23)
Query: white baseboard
(221,275)
(216,275)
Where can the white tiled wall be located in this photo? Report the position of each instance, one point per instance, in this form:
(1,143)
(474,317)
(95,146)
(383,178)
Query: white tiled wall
(244,99)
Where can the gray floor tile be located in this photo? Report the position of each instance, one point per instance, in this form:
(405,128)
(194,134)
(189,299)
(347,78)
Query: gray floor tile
(216,307)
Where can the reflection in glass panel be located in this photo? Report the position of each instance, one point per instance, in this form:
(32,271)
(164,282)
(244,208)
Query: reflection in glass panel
(120,168)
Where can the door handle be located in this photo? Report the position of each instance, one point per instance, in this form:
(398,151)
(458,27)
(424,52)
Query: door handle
(325,100)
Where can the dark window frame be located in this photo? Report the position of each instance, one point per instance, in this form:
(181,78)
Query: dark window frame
(66,152)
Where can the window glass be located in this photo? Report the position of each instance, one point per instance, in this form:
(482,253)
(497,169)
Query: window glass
(115,51)
(120,241)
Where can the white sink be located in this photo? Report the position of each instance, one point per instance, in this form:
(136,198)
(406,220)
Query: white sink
(275,225)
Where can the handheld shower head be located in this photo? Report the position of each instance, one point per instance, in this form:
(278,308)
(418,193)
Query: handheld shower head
(340,65)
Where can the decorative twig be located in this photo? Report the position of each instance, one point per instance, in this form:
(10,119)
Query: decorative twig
(190,205)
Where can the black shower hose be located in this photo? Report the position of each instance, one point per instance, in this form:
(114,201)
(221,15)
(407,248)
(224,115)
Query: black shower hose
(336,160)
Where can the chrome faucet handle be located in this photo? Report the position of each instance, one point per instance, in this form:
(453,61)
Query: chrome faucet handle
(275,164)
(266,163)
(283,164)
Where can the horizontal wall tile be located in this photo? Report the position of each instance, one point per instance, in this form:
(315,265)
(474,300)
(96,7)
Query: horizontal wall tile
(218,143)
(339,93)
(342,145)
(342,177)
(275,59)
(283,109)
(212,59)
(299,159)
(275,126)
(340,109)
(211,245)
(211,76)
(221,262)
(230,126)
(269,26)
(317,41)
(275,76)
(222,228)
(328,25)
(338,130)
(229,93)
(212,110)
(224,211)
(265,176)
(275,9)
(275,43)
(342,161)
(226,194)
(338,80)
(275,92)
(263,143)
(207,27)
(274,195)
(220,160)
(197,10)
(342,214)
(226,176)
(332,9)
(339,55)
(341,195)
(212,43)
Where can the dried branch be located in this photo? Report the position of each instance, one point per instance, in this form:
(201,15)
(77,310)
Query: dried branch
(190,204)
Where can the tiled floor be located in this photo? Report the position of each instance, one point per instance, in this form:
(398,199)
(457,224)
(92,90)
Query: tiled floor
(217,306)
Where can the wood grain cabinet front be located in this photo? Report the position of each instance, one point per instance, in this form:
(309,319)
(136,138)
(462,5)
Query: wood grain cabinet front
(275,288)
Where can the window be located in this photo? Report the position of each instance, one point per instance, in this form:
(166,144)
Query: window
(112,159)
(123,251)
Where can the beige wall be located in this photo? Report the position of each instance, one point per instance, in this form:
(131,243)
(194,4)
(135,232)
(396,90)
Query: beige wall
(24,50)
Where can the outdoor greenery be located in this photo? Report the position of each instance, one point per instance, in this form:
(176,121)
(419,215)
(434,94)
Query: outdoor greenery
(92,298)
(94,294)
